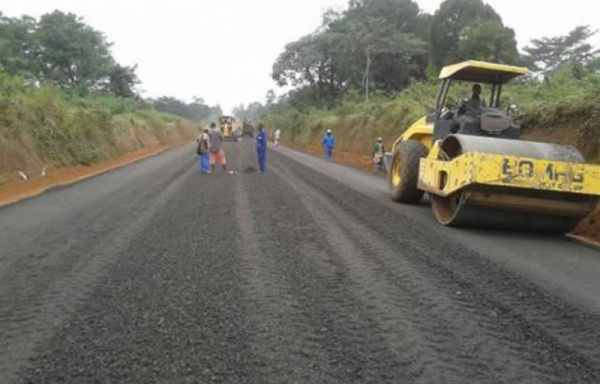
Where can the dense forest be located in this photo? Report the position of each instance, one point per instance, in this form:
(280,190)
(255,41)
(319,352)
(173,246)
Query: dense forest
(384,46)
(371,70)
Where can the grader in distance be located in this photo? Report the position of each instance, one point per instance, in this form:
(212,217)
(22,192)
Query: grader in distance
(479,173)
(228,128)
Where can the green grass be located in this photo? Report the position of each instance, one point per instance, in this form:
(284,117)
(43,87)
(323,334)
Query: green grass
(565,110)
(42,126)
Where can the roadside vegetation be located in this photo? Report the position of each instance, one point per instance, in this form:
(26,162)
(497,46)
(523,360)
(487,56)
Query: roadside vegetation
(371,70)
(65,101)
(564,110)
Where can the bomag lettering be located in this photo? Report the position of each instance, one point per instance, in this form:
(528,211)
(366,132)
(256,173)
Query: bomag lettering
(526,169)
(568,175)
(523,168)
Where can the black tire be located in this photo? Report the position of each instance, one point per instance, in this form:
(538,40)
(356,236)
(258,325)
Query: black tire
(403,176)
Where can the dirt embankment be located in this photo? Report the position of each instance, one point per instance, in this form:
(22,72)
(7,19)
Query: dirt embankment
(19,190)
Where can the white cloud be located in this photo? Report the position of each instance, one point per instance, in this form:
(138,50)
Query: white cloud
(223,50)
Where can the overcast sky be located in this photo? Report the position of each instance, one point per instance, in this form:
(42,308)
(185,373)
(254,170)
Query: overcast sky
(223,50)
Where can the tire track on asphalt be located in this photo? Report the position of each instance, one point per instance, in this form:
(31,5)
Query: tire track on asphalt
(405,336)
(41,290)
(416,313)
(65,229)
(291,276)
(355,350)
(550,331)
(283,346)
(170,310)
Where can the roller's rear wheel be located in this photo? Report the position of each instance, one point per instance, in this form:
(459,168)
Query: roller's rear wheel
(404,174)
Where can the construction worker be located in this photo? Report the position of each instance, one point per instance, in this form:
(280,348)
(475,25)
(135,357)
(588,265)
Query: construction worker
(276,137)
(378,152)
(472,105)
(261,147)
(328,144)
(203,150)
(216,147)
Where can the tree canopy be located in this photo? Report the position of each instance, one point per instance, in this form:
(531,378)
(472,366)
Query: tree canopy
(60,48)
(552,53)
(252,113)
(374,42)
(196,111)
(385,45)
(470,29)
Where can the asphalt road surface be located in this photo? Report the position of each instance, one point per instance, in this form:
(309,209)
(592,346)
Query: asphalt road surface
(307,274)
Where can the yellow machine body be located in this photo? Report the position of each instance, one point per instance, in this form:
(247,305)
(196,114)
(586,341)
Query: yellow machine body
(550,190)
(421,130)
(487,181)
(443,177)
(227,128)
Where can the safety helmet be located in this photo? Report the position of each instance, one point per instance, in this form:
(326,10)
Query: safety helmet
(379,139)
(329,131)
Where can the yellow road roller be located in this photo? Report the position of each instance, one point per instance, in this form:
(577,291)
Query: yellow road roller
(477,172)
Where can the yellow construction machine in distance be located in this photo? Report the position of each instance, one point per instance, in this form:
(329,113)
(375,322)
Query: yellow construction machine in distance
(478,173)
(228,128)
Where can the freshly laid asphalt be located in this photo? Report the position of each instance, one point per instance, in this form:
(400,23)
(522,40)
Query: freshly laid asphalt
(307,273)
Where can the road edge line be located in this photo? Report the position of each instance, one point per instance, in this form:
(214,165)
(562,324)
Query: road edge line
(583,241)
(40,191)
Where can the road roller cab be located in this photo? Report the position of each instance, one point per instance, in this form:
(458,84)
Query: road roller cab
(483,119)
(478,173)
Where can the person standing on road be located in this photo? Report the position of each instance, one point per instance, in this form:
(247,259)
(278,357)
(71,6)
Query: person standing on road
(216,147)
(277,135)
(203,150)
(378,152)
(328,144)
(261,147)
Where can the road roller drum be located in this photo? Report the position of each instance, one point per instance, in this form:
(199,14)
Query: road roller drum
(508,184)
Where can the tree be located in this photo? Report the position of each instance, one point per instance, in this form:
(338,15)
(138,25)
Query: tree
(270,98)
(594,64)
(196,110)
(19,53)
(489,41)
(60,48)
(122,80)
(216,111)
(552,53)
(73,54)
(467,24)
(308,62)
(254,113)
(374,43)
(386,38)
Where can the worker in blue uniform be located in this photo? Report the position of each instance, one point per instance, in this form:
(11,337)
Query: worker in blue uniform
(328,143)
(261,147)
